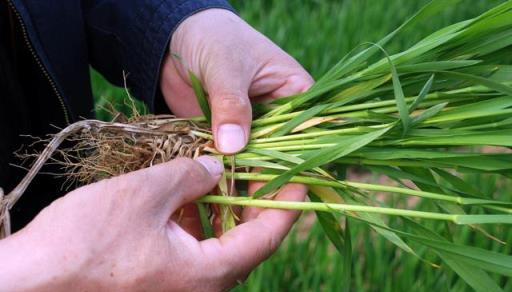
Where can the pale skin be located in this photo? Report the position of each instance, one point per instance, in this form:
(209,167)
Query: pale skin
(120,234)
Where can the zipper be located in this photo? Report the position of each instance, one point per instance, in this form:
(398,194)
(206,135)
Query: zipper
(39,63)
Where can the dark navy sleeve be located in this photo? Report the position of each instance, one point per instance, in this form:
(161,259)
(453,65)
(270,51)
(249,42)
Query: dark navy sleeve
(133,35)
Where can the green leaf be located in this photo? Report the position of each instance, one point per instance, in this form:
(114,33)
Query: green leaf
(428,113)
(467,269)
(205,221)
(330,225)
(490,107)
(284,157)
(500,87)
(301,118)
(488,260)
(399,93)
(276,154)
(476,278)
(260,163)
(496,138)
(458,183)
(201,96)
(347,65)
(321,157)
(436,66)
(423,93)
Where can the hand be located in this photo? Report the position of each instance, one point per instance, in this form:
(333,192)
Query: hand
(236,64)
(116,235)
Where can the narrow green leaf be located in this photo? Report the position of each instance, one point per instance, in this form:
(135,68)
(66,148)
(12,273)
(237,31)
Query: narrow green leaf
(322,157)
(304,116)
(285,157)
(476,278)
(401,104)
(428,113)
(423,93)
(201,96)
(276,154)
(458,183)
(205,221)
(458,262)
(500,87)
(330,225)
(491,261)
(348,65)
(260,163)
(437,65)
(496,138)
(471,274)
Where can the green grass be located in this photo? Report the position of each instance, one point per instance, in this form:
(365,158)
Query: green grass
(318,33)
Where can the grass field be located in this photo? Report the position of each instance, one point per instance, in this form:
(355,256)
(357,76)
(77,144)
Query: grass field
(318,33)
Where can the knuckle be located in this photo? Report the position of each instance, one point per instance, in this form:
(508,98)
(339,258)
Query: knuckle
(230,101)
(189,170)
(187,174)
(122,185)
(272,243)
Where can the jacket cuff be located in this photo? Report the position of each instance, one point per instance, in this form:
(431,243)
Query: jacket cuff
(157,24)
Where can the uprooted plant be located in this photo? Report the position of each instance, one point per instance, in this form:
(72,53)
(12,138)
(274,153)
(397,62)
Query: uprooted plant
(422,117)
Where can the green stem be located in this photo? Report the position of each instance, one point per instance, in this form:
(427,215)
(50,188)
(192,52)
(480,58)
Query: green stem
(451,118)
(324,207)
(385,106)
(364,186)
(358,129)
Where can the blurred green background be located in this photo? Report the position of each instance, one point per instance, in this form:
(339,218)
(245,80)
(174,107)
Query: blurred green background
(318,33)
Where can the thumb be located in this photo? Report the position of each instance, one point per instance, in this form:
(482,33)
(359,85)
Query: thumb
(231,110)
(162,189)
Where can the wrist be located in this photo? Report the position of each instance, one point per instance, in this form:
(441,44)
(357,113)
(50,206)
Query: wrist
(29,265)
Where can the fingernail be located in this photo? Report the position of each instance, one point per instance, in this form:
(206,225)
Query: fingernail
(214,167)
(231,138)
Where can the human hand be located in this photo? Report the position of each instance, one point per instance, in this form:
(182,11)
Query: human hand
(116,235)
(236,64)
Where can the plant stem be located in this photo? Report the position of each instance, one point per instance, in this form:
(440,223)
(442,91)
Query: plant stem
(433,98)
(324,207)
(364,186)
(358,129)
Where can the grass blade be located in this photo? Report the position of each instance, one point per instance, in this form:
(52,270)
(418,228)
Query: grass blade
(423,93)
(330,225)
(201,96)
(321,157)
(205,221)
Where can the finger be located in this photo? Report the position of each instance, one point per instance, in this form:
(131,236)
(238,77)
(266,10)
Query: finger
(266,89)
(247,245)
(177,92)
(164,188)
(250,213)
(295,84)
(230,106)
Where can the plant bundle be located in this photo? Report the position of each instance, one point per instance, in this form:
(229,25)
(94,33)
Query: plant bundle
(424,118)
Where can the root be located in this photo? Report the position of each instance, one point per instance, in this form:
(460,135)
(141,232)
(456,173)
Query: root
(104,149)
